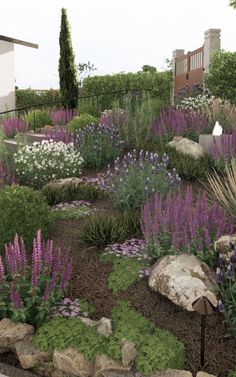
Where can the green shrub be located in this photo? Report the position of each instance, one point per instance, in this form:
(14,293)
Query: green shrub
(103,229)
(99,145)
(55,194)
(157,349)
(81,121)
(38,119)
(22,211)
(222,75)
(125,271)
(29,97)
(157,83)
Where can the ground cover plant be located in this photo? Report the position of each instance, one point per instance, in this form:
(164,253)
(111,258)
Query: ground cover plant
(31,287)
(71,308)
(153,344)
(22,211)
(49,160)
(130,262)
(99,145)
(71,210)
(137,176)
(182,223)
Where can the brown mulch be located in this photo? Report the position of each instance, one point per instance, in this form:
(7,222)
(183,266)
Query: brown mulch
(90,282)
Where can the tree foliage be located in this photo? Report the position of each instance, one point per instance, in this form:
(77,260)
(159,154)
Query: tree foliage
(222,75)
(67,69)
(232,3)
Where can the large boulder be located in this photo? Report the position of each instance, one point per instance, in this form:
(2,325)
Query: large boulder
(73,362)
(187,146)
(222,246)
(11,332)
(64,182)
(183,279)
(28,355)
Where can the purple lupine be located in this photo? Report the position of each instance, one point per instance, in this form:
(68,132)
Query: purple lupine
(36,259)
(173,121)
(2,270)
(190,221)
(15,297)
(229,272)
(219,275)
(12,126)
(224,148)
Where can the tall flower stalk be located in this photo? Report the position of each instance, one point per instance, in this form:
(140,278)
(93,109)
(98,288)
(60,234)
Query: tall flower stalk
(30,289)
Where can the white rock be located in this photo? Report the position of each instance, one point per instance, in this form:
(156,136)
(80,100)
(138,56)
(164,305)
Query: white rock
(11,332)
(104,327)
(28,355)
(172,373)
(183,279)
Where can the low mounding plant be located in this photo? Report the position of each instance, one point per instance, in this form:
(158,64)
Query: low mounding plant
(12,126)
(101,229)
(22,211)
(38,119)
(49,160)
(224,188)
(55,194)
(152,343)
(226,279)
(179,122)
(182,223)
(62,116)
(137,177)
(81,121)
(29,289)
(99,145)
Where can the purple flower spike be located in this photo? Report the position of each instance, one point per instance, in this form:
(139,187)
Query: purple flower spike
(221,306)
(229,272)
(219,275)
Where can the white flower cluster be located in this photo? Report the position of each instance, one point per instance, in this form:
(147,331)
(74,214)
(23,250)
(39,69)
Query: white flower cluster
(195,103)
(49,160)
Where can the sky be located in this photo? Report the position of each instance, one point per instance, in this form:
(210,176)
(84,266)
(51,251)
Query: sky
(114,35)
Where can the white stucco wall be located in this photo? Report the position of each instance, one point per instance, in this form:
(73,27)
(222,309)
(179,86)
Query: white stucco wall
(7,76)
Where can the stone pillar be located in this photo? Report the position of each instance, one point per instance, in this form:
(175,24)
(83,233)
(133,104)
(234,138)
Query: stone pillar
(175,54)
(211,43)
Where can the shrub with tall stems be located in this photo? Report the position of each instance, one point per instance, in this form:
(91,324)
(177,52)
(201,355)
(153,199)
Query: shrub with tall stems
(182,223)
(137,177)
(224,188)
(29,289)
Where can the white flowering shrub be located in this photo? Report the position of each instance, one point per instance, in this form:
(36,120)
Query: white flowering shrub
(49,160)
(198,103)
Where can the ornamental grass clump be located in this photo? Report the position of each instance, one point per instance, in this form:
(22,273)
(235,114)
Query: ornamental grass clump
(12,126)
(99,145)
(137,177)
(30,288)
(226,280)
(183,223)
(49,160)
(179,122)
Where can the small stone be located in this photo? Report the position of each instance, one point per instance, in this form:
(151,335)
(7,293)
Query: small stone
(104,363)
(221,246)
(129,354)
(203,374)
(11,332)
(28,355)
(172,373)
(104,327)
(73,362)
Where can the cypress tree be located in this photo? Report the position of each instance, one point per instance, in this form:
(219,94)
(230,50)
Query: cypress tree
(67,71)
